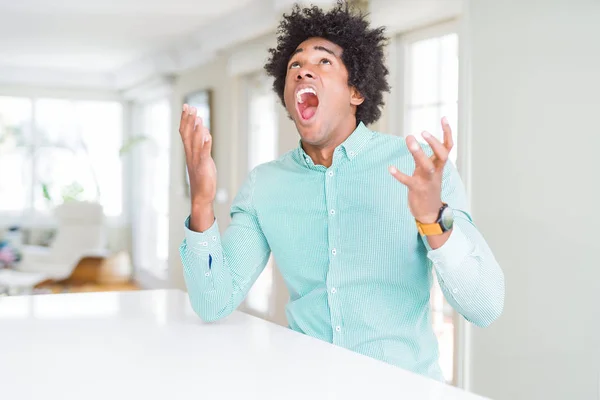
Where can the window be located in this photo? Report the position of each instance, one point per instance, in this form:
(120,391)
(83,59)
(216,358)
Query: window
(15,154)
(431,85)
(54,150)
(151,152)
(261,134)
(430,65)
(262,121)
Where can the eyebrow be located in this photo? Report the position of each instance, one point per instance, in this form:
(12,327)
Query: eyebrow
(320,48)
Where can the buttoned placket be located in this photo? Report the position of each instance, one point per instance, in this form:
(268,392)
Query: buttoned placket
(333,230)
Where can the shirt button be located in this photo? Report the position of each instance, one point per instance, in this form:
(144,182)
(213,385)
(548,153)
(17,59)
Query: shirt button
(214,238)
(204,244)
(333,290)
(330,173)
(207,274)
(338,328)
(455,290)
(351,154)
(334,252)
(332,212)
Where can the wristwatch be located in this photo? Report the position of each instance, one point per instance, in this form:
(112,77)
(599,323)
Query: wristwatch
(444,223)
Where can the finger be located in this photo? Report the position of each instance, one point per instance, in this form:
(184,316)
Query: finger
(197,137)
(191,119)
(184,114)
(421,159)
(184,127)
(183,123)
(439,150)
(206,142)
(448,140)
(401,177)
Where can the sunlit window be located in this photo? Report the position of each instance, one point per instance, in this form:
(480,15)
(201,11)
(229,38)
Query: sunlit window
(432,86)
(15,153)
(151,186)
(55,150)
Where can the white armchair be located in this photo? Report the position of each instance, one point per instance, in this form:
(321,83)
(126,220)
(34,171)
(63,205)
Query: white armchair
(80,232)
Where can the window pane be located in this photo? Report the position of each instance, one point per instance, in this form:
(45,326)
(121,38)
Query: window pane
(449,68)
(77,153)
(423,119)
(158,126)
(101,125)
(450,111)
(424,59)
(15,162)
(151,187)
(262,116)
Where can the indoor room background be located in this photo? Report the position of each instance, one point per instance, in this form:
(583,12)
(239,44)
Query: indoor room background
(90,101)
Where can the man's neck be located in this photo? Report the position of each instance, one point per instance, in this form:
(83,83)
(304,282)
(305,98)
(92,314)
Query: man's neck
(323,154)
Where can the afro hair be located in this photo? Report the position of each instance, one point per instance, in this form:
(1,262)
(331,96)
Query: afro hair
(363,51)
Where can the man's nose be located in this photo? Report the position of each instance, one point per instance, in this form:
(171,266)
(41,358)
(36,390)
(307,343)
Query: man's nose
(305,74)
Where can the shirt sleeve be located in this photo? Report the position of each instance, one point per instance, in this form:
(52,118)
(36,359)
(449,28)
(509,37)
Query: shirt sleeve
(220,270)
(469,275)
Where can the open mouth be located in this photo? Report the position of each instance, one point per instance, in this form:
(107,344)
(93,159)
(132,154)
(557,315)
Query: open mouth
(307,102)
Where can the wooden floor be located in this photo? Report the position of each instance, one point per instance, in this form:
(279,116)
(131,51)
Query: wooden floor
(95,274)
(88,287)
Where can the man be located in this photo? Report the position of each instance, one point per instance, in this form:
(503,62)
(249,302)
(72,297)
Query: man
(357,221)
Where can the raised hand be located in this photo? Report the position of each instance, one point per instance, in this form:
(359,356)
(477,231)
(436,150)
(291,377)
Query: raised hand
(202,170)
(425,185)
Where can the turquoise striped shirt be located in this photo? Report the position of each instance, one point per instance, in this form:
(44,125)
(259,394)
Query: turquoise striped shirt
(358,272)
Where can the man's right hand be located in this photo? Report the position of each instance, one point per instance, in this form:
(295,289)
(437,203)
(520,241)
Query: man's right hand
(197,143)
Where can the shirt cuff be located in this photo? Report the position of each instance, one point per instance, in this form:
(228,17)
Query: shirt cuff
(202,242)
(452,253)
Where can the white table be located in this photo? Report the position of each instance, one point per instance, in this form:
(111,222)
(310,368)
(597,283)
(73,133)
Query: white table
(150,345)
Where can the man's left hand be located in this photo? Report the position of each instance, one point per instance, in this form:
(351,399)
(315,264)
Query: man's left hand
(425,185)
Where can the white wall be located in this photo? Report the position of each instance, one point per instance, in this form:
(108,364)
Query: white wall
(535,190)
(405,15)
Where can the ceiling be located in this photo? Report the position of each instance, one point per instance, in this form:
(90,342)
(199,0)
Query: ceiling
(98,38)
(114,45)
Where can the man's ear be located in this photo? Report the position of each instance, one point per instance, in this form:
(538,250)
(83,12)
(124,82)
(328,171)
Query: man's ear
(356,99)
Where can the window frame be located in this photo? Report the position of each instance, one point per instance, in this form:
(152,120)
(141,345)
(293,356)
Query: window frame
(402,71)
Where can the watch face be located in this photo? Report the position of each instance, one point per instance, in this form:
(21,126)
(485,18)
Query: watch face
(447,218)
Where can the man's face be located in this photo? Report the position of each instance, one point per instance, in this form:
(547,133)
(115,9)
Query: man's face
(316,94)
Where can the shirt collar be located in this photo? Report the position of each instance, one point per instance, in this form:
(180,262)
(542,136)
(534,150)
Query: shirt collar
(357,141)
(352,146)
